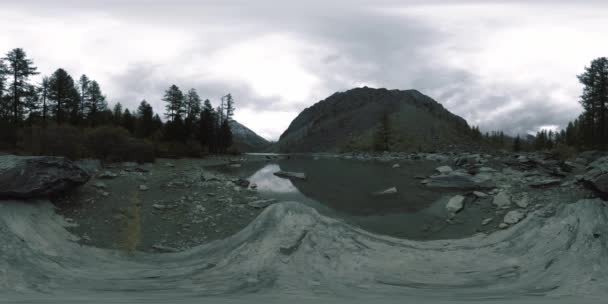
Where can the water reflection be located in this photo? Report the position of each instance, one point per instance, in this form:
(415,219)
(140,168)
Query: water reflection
(268,182)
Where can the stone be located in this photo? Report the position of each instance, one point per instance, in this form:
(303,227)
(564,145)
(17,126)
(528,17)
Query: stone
(260,204)
(143,188)
(107,175)
(253,186)
(235,165)
(487,221)
(514,217)
(524,202)
(169,165)
(503,226)
(486,170)
(100,185)
(444,169)
(389,191)
(164,249)
(502,200)
(286,174)
(241,182)
(543,183)
(596,176)
(480,194)
(396,166)
(455,204)
(23,177)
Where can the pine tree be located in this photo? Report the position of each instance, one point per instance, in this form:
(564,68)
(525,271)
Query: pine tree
(32,103)
(95,102)
(83,88)
(193,105)
(175,103)
(207,126)
(229,107)
(20,68)
(517,144)
(382,136)
(128,121)
(44,94)
(63,96)
(117,114)
(595,99)
(145,121)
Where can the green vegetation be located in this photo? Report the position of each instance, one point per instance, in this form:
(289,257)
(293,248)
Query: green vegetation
(70,118)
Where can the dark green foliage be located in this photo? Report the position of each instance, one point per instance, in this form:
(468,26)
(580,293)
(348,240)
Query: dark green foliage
(18,70)
(69,118)
(382,137)
(175,103)
(517,144)
(145,123)
(63,97)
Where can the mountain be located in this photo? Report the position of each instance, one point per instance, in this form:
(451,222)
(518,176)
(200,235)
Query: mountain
(350,120)
(245,139)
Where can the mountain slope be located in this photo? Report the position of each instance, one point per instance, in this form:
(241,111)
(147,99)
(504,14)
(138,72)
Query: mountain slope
(245,139)
(348,121)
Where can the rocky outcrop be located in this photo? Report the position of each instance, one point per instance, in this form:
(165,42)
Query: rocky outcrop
(597,175)
(348,121)
(461,180)
(38,177)
(296,175)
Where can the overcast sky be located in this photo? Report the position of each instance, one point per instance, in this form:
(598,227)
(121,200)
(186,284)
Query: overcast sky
(508,65)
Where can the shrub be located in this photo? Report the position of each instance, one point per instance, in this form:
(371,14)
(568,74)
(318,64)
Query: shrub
(141,151)
(108,143)
(563,152)
(62,140)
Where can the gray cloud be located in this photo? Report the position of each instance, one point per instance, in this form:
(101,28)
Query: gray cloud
(338,44)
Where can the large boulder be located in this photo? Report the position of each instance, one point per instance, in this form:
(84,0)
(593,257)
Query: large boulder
(461,180)
(597,175)
(38,176)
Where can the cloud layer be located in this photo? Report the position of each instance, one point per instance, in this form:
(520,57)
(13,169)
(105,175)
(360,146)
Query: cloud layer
(501,65)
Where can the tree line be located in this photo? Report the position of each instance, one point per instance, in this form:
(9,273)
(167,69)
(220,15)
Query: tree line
(59,100)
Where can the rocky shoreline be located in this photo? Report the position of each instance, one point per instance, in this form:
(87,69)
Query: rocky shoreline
(173,205)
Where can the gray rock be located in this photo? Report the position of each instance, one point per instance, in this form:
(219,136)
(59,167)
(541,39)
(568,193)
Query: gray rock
(502,200)
(542,183)
(513,217)
(487,221)
(455,204)
(524,202)
(286,174)
(596,176)
(396,166)
(107,175)
(444,169)
(165,249)
(480,194)
(100,185)
(503,226)
(461,180)
(241,182)
(143,188)
(262,203)
(389,191)
(38,177)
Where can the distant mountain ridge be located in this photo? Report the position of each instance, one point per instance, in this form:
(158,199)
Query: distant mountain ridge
(348,121)
(245,139)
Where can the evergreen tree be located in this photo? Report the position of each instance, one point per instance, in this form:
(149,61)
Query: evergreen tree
(207,126)
(517,144)
(128,121)
(175,103)
(32,103)
(193,105)
(63,96)
(382,136)
(229,107)
(117,114)
(595,99)
(225,136)
(83,88)
(157,123)
(145,121)
(20,68)
(95,102)
(44,94)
